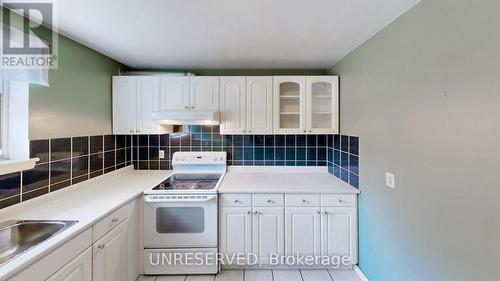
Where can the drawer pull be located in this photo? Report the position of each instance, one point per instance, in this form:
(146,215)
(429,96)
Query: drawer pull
(342,201)
(100,246)
(270,201)
(325,212)
(255,212)
(236,201)
(115,220)
(249,212)
(319,212)
(305,201)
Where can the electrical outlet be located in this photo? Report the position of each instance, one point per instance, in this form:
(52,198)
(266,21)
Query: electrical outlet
(390,180)
(161,154)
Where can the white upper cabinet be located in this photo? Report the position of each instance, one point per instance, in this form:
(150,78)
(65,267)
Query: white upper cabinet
(174,93)
(204,93)
(322,104)
(259,104)
(233,105)
(289,104)
(135,98)
(148,101)
(124,105)
(246,105)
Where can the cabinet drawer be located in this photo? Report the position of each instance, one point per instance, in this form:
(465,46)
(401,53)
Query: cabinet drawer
(302,200)
(236,200)
(338,200)
(267,200)
(109,222)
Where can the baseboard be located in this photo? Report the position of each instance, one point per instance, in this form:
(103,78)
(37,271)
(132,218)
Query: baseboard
(360,273)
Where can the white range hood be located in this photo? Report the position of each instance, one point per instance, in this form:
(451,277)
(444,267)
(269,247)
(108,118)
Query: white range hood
(186,117)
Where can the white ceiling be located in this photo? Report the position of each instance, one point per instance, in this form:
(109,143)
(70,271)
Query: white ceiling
(226,33)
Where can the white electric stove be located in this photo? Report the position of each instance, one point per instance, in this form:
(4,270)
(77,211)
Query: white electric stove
(180,215)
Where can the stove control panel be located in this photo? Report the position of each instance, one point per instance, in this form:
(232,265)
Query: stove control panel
(199,158)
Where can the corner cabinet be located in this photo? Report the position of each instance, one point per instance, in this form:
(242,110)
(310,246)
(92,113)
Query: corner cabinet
(135,98)
(246,105)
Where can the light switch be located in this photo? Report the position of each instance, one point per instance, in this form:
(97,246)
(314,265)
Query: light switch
(390,180)
(161,154)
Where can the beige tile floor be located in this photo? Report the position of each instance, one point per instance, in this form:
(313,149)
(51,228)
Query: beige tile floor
(263,275)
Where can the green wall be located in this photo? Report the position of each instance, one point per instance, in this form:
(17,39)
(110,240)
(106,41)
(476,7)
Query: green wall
(78,100)
(424,97)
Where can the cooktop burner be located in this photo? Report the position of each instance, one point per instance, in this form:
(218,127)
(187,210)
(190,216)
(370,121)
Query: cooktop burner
(189,182)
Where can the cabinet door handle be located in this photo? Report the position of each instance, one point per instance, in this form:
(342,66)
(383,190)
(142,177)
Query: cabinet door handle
(325,212)
(304,131)
(310,131)
(115,220)
(186,107)
(137,131)
(131,131)
(255,212)
(192,107)
(244,131)
(319,212)
(100,246)
(249,212)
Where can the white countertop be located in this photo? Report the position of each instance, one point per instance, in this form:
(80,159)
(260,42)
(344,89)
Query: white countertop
(86,202)
(282,180)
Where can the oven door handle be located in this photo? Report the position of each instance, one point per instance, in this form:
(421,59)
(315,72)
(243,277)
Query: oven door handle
(175,199)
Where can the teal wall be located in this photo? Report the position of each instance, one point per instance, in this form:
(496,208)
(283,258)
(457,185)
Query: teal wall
(423,95)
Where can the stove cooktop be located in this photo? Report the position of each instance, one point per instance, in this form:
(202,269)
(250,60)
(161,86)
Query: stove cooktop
(192,181)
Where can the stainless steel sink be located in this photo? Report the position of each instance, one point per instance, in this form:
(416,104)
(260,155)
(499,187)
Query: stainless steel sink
(17,237)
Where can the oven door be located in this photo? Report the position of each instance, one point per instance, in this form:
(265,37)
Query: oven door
(180,221)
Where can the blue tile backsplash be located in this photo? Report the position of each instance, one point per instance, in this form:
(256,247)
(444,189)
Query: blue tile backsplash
(248,150)
(67,161)
(63,162)
(343,158)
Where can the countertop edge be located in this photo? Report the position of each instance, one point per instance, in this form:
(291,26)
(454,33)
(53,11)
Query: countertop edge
(16,265)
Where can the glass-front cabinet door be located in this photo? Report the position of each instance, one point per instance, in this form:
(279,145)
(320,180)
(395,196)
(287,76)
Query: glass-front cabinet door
(289,104)
(322,104)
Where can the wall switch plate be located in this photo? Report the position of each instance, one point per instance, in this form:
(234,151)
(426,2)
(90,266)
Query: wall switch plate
(390,180)
(161,154)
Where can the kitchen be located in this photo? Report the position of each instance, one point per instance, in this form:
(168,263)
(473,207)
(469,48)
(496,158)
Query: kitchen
(155,141)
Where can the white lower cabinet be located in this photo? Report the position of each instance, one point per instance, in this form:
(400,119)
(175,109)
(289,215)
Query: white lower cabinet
(268,232)
(110,255)
(339,230)
(79,269)
(303,231)
(236,230)
(304,225)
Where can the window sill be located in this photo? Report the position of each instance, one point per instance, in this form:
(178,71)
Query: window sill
(12,166)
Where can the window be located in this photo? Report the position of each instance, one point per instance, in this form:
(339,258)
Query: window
(14,143)
(3,118)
